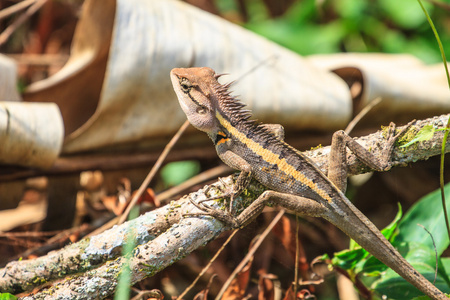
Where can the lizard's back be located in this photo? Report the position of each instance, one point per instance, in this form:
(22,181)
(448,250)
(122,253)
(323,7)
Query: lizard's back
(276,164)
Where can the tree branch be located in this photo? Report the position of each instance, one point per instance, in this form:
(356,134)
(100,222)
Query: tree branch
(163,237)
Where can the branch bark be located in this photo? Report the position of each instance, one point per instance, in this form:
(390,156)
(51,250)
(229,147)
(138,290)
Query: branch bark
(163,236)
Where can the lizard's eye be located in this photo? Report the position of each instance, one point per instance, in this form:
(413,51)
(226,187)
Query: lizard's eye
(185,85)
(202,110)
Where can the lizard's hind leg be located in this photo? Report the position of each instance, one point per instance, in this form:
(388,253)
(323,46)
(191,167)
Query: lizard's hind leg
(297,204)
(337,162)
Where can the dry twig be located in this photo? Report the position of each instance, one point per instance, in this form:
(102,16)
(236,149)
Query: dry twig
(4,36)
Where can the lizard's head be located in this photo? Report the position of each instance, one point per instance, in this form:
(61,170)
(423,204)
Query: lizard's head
(195,91)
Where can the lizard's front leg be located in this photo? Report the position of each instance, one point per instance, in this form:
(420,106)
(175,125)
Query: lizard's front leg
(243,180)
(232,192)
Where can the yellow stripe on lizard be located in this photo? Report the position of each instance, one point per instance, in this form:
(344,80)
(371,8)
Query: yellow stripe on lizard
(273,158)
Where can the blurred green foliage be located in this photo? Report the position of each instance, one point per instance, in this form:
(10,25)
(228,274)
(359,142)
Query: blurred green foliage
(7,296)
(313,26)
(178,172)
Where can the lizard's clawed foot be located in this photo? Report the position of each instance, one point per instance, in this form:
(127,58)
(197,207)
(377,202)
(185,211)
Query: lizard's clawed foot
(230,192)
(223,216)
(391,140)
(218,214)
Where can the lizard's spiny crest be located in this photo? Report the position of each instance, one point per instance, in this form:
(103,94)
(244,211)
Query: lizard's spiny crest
(241,118)
(231,106)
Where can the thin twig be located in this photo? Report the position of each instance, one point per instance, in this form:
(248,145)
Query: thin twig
(161,197)
(52,243)
(361,114)
(197,179)
(109,224)
(4,36)
(15,8)
(250,253)
(208,265)
(28,234)
(153,171)
(39,59)
(435,251)
(273,57)
(153,294)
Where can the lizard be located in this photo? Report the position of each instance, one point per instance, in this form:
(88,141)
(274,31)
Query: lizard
(293,180)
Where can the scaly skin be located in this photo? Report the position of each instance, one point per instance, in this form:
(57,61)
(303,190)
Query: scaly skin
(294,181)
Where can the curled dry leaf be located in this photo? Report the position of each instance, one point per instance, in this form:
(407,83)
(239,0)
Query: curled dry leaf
(125,95)
(238,286)
(267,287)
(409,88)
(77,86)
(32,133)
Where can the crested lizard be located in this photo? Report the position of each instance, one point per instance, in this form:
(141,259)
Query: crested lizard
(292,179)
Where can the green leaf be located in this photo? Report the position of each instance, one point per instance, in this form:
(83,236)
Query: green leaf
(305,39)
(347,259)
(425,134)
(446,262)
(7,296)
(422,258)
(421,298)
(177,172)
(351,9)
(370,267)
(389,230)
(427,212)
(301,12)
(325,257)
(404,13)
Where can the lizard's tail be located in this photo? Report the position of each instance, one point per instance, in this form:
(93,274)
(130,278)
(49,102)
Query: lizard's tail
(370,238)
